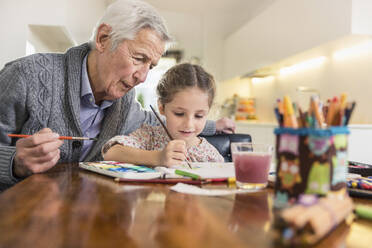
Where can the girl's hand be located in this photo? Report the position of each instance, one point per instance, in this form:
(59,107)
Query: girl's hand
(173,153)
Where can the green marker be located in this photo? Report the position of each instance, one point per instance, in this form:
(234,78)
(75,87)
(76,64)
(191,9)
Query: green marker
(187,174)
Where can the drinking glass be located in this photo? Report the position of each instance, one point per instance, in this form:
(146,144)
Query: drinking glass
(252,163)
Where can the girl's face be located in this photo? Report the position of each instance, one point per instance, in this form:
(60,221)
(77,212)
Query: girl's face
(186,114)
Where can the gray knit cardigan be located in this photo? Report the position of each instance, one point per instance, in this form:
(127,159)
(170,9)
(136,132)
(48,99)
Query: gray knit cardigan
(43,90)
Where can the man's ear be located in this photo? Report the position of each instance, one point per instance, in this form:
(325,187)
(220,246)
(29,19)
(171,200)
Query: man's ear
(103,37)
(161,107)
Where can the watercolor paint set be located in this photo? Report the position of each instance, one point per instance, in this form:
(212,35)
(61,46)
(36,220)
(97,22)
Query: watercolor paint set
(120,170)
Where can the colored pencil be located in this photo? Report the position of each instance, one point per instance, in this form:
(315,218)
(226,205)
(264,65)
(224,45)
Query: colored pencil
(289,116)
(302,117)
(279,116)
(332,109)
(348,113)
(60,137)
(336,112)
(172,180)
(166,130)
(317,110)
(187,174)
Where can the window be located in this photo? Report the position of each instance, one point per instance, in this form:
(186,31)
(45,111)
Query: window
(30,49)
(146,92)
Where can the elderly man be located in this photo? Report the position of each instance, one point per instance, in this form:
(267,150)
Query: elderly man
(85,92)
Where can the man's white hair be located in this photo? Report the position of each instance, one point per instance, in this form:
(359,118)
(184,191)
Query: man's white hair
(126,18)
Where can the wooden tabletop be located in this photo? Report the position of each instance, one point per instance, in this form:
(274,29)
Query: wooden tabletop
(69,207)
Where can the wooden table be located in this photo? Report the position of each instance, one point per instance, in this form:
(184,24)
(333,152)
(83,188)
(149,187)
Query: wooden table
(69,207)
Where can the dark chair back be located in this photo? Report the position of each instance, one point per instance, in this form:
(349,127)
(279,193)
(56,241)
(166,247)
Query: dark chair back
(222,142)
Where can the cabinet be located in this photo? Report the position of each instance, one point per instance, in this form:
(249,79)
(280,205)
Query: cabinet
(359,147)
(260,132)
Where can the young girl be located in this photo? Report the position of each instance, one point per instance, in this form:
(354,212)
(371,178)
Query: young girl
(185,95)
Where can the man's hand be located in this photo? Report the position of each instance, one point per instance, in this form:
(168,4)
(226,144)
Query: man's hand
(225,125)
(173,153)
(37,153)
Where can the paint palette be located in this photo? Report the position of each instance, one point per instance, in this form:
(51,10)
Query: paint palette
(361,193)
(121,170)
(362,169)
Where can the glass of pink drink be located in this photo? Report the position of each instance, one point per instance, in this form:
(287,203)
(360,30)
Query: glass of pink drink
(252,164)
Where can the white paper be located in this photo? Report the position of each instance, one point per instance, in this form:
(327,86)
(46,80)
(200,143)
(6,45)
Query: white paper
(195,190)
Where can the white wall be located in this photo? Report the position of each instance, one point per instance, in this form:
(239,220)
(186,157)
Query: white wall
(351,75)
(39,44)
(16,15)
(213,46)
(285,28)
(14,18)
(200,36)
(82,16)
(301,29)
(361,16)
(190,39)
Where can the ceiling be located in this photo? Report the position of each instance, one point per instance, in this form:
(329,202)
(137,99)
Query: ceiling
(229,15)
(207,6)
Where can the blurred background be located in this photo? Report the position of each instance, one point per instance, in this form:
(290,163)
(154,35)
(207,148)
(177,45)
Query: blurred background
(258,50)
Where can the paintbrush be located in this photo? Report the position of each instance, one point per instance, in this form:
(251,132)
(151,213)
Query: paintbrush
(60,137)
(166,130)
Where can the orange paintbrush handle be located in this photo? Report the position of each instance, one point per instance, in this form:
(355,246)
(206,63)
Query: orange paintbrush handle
(60,137)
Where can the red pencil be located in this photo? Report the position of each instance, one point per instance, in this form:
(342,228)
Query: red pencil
(172,180)
(60,137)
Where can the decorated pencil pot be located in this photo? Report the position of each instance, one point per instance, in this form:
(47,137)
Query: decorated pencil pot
(309,161)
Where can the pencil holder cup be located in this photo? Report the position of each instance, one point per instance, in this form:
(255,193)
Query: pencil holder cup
(309,162)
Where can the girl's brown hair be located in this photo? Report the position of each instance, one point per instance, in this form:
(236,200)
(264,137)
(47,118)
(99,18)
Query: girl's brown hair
(183,76)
